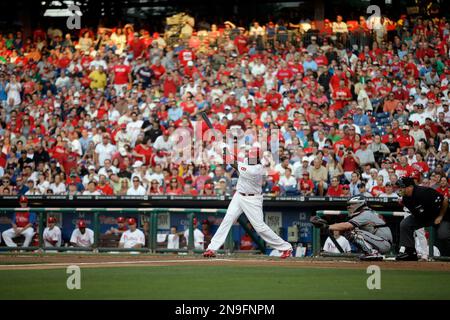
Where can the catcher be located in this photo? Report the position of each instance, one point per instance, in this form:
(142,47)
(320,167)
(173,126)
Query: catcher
(366,229)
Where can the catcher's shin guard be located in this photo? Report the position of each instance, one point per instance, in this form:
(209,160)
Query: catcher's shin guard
(360,242)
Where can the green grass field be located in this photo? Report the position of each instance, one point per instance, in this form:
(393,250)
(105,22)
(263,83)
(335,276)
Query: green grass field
(223,282)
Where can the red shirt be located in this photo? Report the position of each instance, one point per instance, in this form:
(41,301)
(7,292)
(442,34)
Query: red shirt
(274,100)
(147,153)
(22,219)
(106,190)
(444,192)
(158,71)
(405,141)
(334,192)
(349,164)
(121,73)
(241,44)
(403,171)
(284,74)
(185,56)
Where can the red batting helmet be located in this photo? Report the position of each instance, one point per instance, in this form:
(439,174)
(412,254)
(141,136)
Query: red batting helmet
(51,220)
(81,224)
(23,199)
(131,221)
(120,220)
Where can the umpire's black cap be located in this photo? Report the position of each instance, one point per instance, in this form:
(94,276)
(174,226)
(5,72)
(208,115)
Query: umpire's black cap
(404,182)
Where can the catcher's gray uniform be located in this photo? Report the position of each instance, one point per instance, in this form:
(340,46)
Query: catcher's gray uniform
(371,231)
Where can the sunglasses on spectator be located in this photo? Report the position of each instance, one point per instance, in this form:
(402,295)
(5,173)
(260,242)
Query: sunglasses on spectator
(135,180)
(345,188)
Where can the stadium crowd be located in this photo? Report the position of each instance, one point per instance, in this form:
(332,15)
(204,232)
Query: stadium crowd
(358,104)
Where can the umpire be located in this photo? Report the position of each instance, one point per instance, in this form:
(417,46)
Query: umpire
(428,207)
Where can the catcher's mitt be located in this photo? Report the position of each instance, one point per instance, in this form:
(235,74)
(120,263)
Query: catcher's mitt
(319,222)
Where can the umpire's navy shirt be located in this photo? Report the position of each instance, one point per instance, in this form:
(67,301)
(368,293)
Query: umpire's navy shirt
(425,203)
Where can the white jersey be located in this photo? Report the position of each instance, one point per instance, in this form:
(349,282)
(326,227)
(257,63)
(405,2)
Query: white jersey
(82,240)
(250,178)
(131,238)
(53,234)
(199,238)
(173,241)
(329,246)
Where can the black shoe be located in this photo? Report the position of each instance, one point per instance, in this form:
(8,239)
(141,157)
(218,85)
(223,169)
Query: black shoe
(371,257)
(407,257)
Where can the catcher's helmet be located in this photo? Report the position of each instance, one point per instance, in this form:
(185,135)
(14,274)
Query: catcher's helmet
(120,220)
(355,204)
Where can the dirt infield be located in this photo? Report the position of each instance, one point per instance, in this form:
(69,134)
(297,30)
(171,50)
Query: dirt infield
(54,261)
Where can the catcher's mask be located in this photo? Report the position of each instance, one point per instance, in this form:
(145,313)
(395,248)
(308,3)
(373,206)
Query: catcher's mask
(355,205)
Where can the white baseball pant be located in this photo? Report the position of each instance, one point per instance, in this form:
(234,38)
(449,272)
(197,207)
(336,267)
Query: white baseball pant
(252,207)
(9,234)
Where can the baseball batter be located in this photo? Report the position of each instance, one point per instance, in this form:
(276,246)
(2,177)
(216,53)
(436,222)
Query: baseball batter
(248,199)
(22,224)
(52,234)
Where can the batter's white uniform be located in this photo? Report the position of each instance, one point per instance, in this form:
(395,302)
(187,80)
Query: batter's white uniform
(250,182)
(82,240)
(53,234)
(199,238)
(131,238)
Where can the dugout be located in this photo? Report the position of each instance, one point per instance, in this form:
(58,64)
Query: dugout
(288,216)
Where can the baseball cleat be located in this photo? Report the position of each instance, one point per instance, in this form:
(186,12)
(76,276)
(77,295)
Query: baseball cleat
(286,254)
(209,254)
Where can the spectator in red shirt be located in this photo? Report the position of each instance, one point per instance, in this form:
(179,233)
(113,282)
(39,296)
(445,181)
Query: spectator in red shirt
(443,187)
(335,189)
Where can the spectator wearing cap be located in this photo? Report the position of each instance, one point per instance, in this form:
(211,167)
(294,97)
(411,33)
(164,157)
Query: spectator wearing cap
(420,115)
(417,133)
(360,118)
(404,139)
(306,185)
(208,189)
(52,234)
(136,188)
(389,191)
(82,236)
(133,238)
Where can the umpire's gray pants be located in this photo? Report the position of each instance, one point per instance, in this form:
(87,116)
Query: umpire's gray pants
(376,242)
(411,224)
